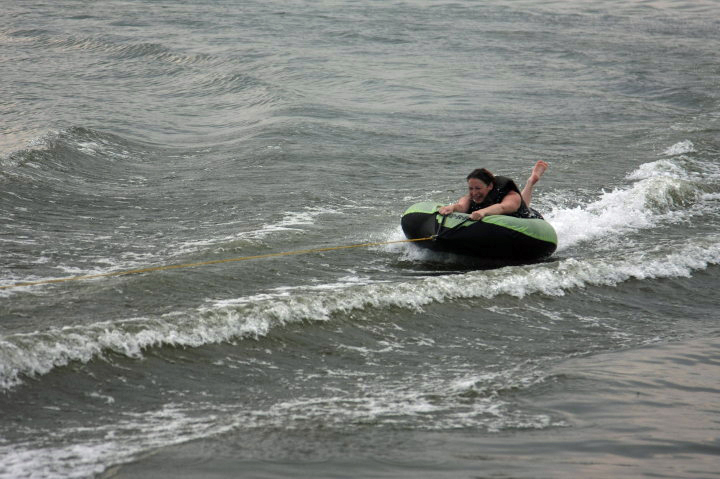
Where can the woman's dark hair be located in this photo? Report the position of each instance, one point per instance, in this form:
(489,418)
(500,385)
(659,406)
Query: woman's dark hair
(483,175)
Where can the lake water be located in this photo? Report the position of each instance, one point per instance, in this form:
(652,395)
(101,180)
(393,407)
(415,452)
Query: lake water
(139,134)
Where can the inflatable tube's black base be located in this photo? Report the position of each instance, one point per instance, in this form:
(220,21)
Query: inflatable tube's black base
(498,240)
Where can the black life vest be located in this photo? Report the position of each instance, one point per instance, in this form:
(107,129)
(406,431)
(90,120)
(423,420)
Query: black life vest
(501,187)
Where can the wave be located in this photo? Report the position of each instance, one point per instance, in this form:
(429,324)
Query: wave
(441,403)
(668,190)
(155,51)
(255,316)
(115,443)
(61,150)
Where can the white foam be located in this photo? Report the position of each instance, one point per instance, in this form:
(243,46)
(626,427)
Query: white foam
(290,221)
(89,147)
(660,168)
(112,443)
(659,191)
(254,316)
(680,148)
(439,403)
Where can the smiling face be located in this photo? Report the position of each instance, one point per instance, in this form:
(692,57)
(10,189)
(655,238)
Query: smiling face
(478,190)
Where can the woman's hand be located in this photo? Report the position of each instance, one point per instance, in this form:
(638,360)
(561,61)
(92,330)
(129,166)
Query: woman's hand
(446,210)
(478,215)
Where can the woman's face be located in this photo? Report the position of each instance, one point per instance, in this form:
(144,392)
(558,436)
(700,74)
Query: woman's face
(478,190)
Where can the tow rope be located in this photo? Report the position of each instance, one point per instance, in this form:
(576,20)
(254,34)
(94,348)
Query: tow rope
(153,269)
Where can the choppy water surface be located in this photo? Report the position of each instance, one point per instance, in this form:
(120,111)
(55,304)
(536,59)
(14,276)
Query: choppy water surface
(140,134)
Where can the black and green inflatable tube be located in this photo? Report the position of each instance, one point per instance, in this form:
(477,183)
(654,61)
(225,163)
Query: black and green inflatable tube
(500,238)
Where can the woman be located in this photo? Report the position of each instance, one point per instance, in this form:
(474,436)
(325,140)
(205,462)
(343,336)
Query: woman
(497,195)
